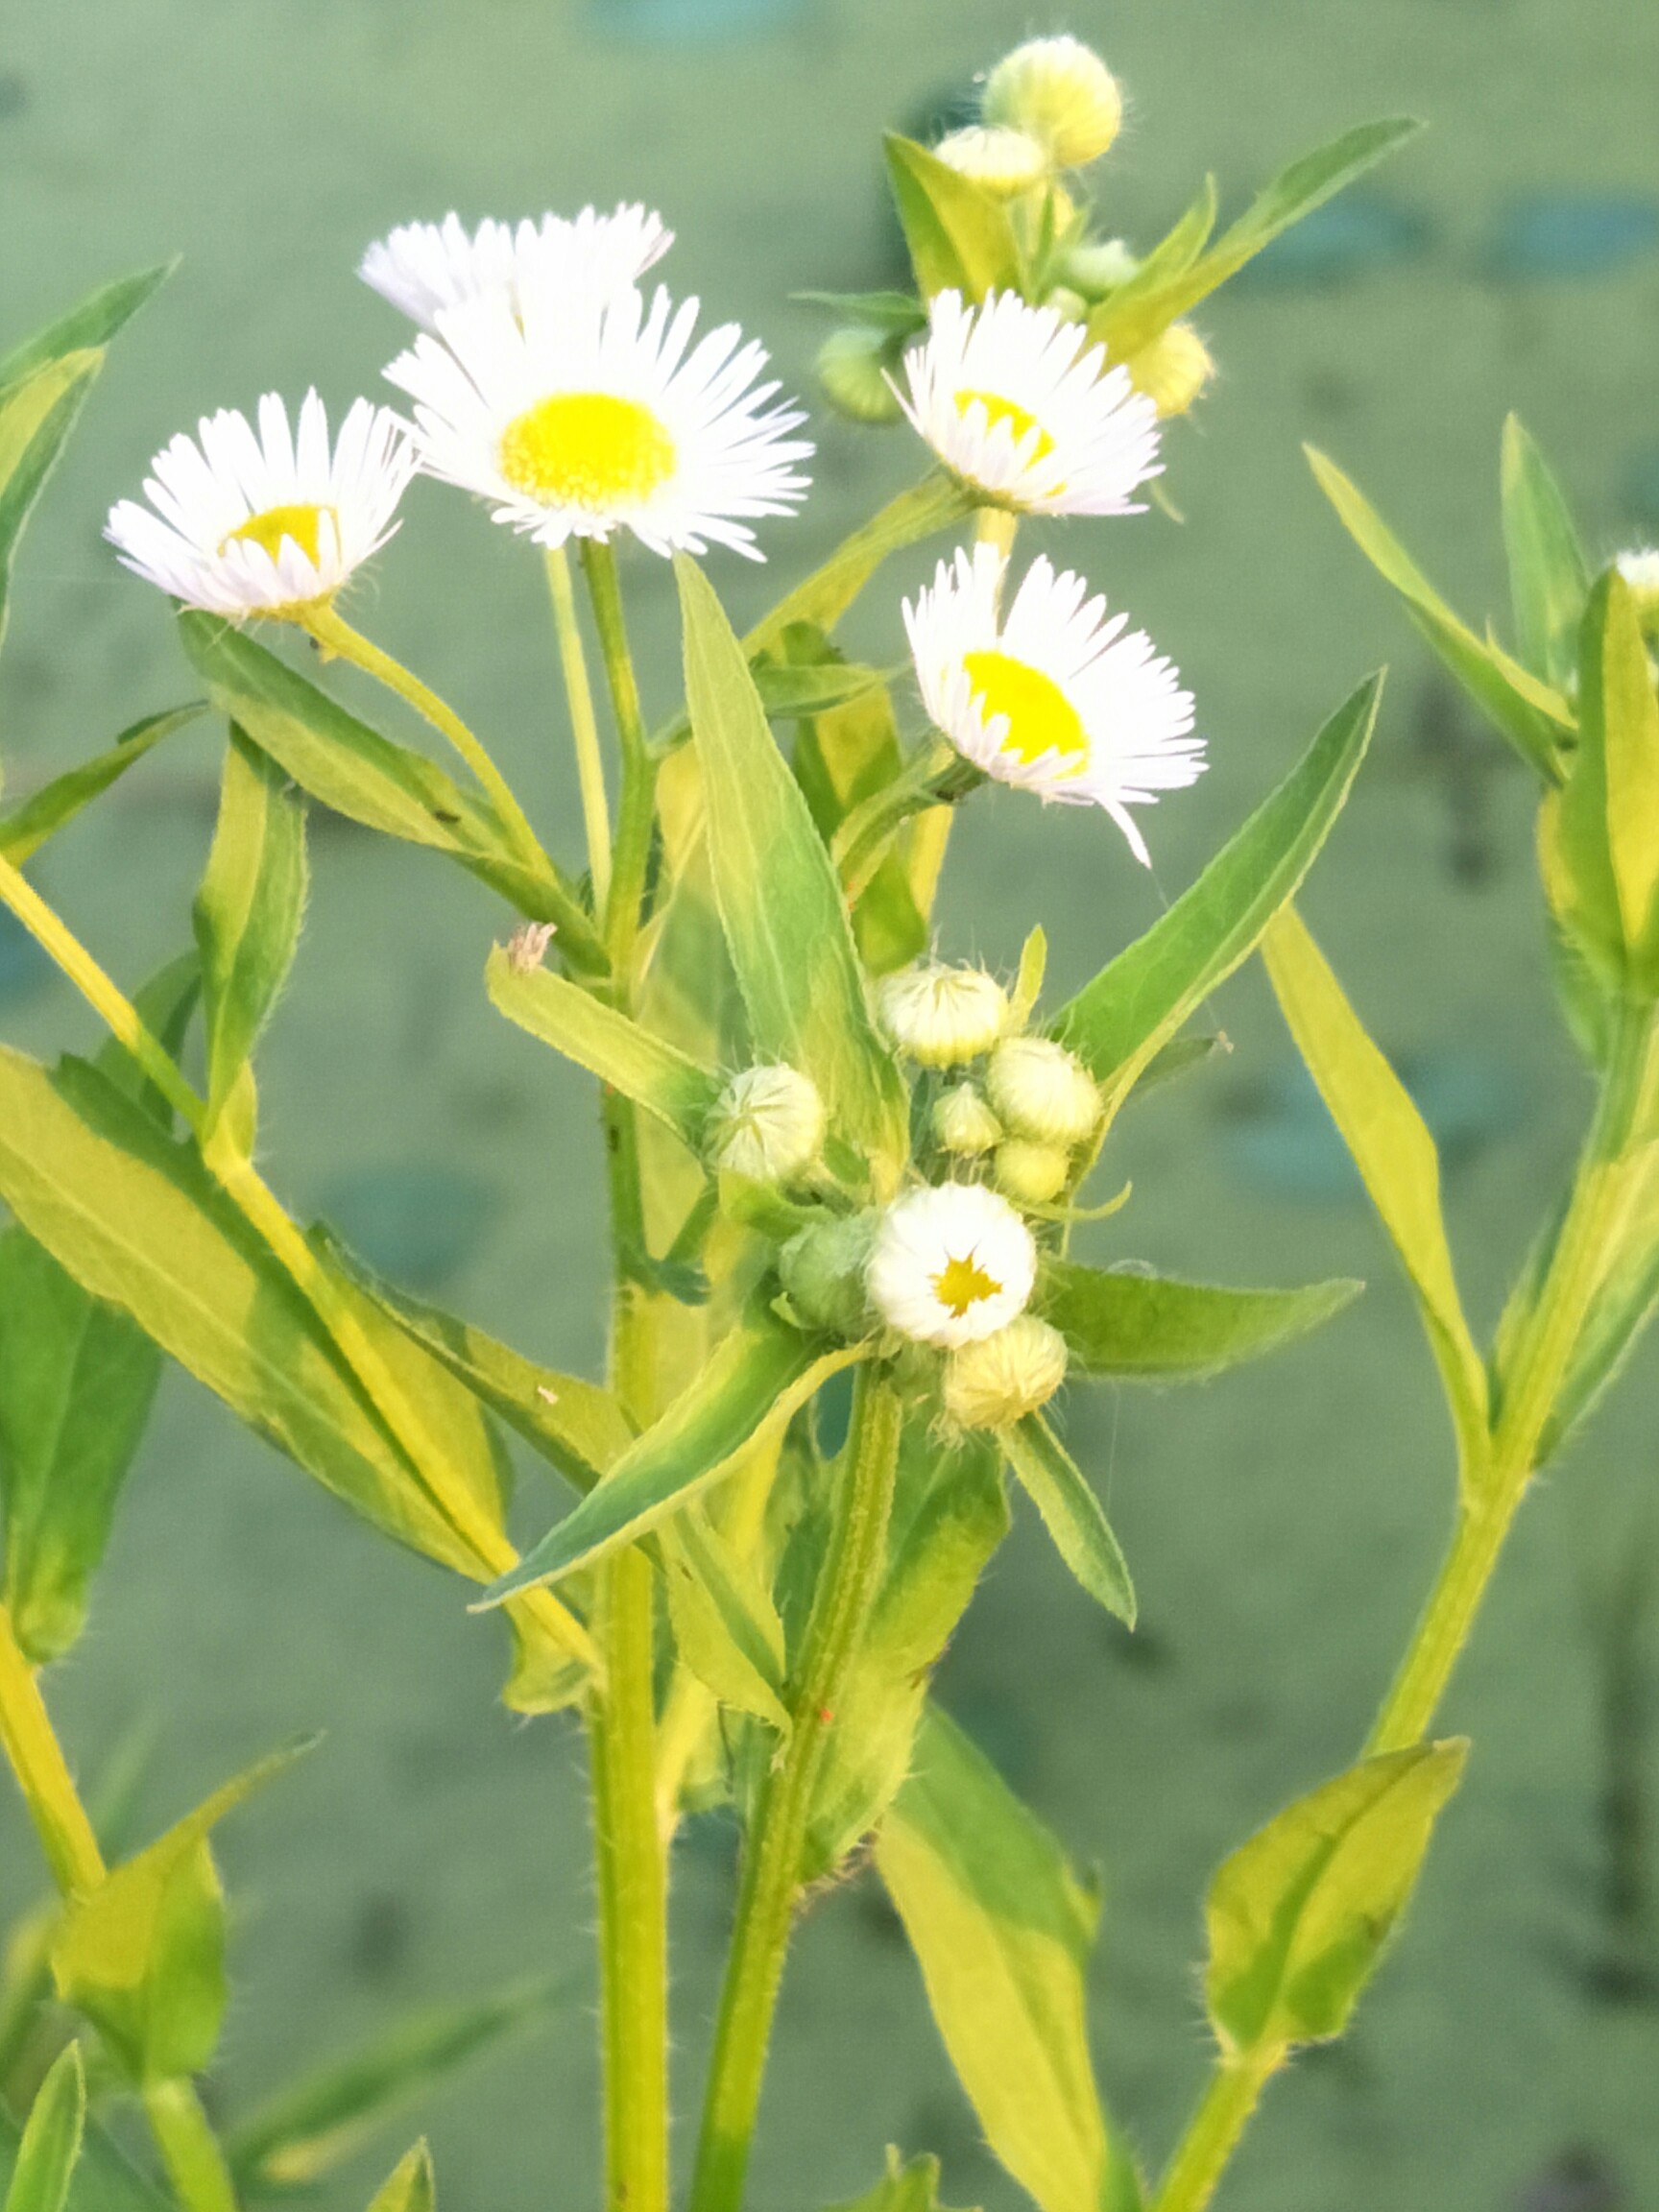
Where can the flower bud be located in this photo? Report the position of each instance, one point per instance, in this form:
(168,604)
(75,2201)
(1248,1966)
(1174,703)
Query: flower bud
(964,1124)
(1062,94)
(1042,1091)
(1065,303)
(1173,370)
(1031,1174)
(1099,266)
(768,1125)
(1005,162)
(823,1272)
(851,368)
(942,1016)
(1640,569)
(1002,1378)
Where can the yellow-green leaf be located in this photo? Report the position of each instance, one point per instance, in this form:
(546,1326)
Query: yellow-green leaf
(1549,578)
(412,2187)
(94,322)
(911,2186)
(959,236)
(27,828)
(1155,1328)
(1071,1513)
(51,2144)
(36,415)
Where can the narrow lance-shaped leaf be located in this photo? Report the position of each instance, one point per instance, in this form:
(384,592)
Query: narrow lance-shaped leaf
(1002,1929)
(411,2188)
(103,2179)
(1530,714)
(98,319)
(1299,1916)
(1170,259)
(906,2186)
(27,828)
(1154,1329)
(960,237)
(781,906)
(1395,1156)
(1138,1003)
(1071,1513)
(1609,816)
(51,2144)
(726,1627)
(36,416)
(249,909)
(1549,578)
(630,1058)
(297,2137)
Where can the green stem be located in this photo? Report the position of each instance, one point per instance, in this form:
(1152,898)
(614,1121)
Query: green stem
(1215,2131)
(584,727)
(636,810)
(36,1759)
(190,2149)
(848,1582)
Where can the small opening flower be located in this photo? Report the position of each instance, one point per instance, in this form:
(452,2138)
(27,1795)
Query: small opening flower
(942,1016)
(1006,1375)
(1042,1092)
(1060,91)
(268,523)
(768,1125)
(1051,696)
(577,417)
(424,268)
(950,1265)
(1015,401)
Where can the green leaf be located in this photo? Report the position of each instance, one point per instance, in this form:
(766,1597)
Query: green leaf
(1178,1058)
(412,2187)
(136,1219)
(1151,1328)
(36,416)
(1532,714)
(96,320)
(51,2144)
(912,2187)
(143,1954)
(297,2137)
(26,828)
(842,757)
(1071,1513)
(1002,1929)
(934,504)
(353,769)
(1608,824)
(1296,191)
(1394,1153)
(726,1627)
(960,237)
(642,1067)
(1623,1307)
(789,692)
(103,2180)
(1137,1003)
(1300,1915)
(780,902)
(247,911)
(1549,579)
(1123,310)
(757,1379)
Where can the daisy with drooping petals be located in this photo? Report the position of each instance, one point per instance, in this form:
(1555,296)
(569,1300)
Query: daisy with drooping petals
(581,418)
(424,268)
(1051,696)
(950,1265)
(1015,401)
(241,523)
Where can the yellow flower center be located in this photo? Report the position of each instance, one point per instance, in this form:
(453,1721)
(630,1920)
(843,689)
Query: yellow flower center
(303,524)
(1001,410)
(963,1282)
(586,449)
(1041,718)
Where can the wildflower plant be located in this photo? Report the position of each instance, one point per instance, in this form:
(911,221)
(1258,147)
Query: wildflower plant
(836,1156)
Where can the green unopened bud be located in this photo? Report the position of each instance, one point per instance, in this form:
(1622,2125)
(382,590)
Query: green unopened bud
(768,1125)
(853,366)
(1062,94)
(942,1016)
(1099,266)
(822,1271)
(1064,302)
(1640,569)
(964,1124)
(1031,1174)
(1173,370)
(1000,1378)
(1005,162)
(1042,1091)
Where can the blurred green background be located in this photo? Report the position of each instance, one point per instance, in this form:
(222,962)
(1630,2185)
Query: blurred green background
(1281,1523)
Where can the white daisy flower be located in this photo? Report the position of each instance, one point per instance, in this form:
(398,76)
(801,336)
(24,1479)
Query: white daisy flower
(950,1265)
(1014,399)
(424,268)
(1051,696)
(582,417)
(242,524)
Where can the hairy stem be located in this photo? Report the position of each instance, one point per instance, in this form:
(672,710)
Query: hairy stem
(583,726)
(637,811)
(190,2152)
(1215,2131)
(849,1579)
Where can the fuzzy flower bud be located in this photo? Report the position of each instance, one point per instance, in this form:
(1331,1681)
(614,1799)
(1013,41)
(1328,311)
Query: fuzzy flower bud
(851,369)
(1062,94)
(1005,162)
(1031,1174)
(768,1125)
(1064,302)
(1173,370)
(1640,569)
(1099,266)
(964,1124)
(822,1271)
(1042,1092)
(1002,1378)
(942,1016)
